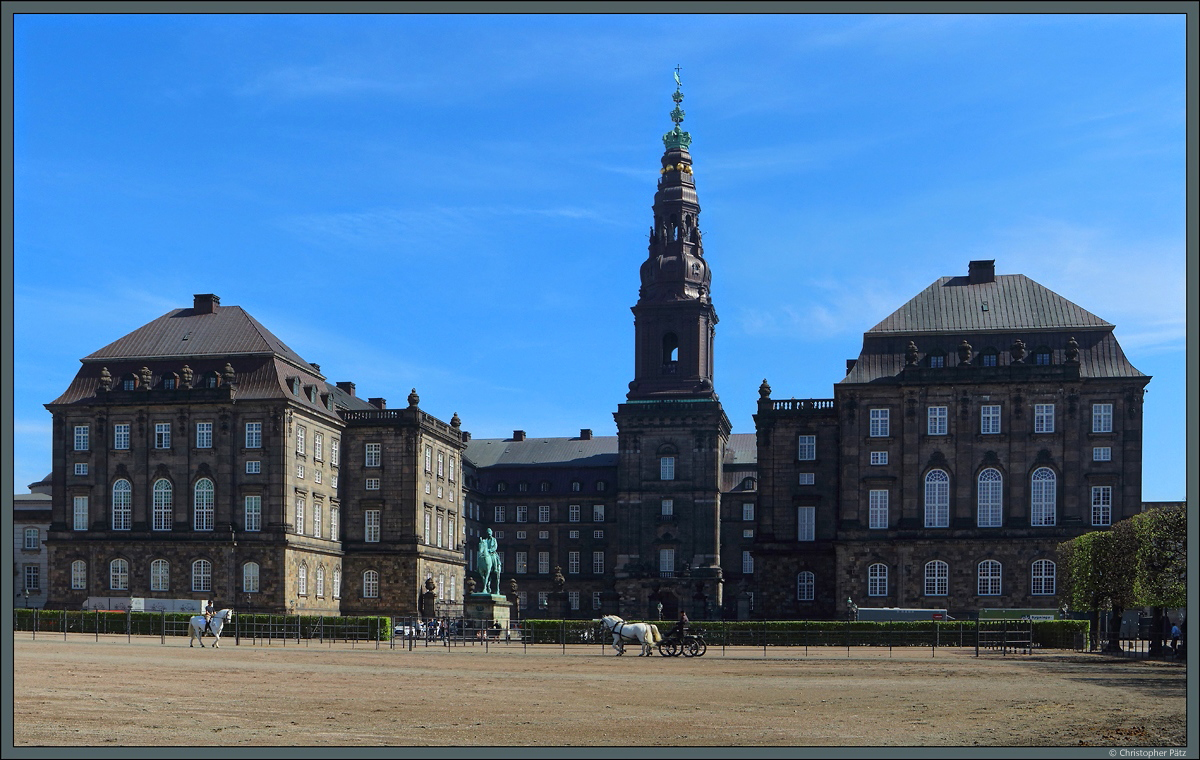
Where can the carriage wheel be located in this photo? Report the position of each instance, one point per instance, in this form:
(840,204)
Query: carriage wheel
(701,648)
(694,648)
(669,648)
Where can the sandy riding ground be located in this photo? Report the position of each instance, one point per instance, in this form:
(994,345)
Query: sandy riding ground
(115,692)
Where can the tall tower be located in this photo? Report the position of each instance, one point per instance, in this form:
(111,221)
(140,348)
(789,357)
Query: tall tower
(672,430)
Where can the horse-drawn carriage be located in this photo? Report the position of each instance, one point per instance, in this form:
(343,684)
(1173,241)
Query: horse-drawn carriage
(648,636)
(691,645)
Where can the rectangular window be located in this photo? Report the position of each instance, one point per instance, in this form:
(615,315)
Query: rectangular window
(299,515)
(300,471)
(440,522)
(747,563)
(522,562)
(441,459)
(81,513)
(522,535)
(598,513)
(254,513)
(880,423)
(543,600)
(78,575)
(333,480)
(936,424)
(162,435)
(371,526)
(989,419)
(543,562)
(1101,505)
(573,563)
(937,362)
(1102,454)
(121,437)
(204,435)
(573,599)
(428,524)
(372,484)
(595,600)
(666,562)
(372,454)
(32,573)
(1043,418)
(522,514)
(253,466)
(335,452)
(807,448)
(33,539)
(806,522)
(879,457)
(668,507)
(301,449)
(316,520)
(333,524)
(1102,418)
(666,468)
(597,534)
(254,435)
(747,512)
(428,459)
(81,437)
(878,500)
(747,532)
(81,468)
(498,515)
(573,534)
(808,478)
(989,360)
(544,535)
(598,562)
(451,463)
(316,475)
(544,513)
(318,446)
(573,513)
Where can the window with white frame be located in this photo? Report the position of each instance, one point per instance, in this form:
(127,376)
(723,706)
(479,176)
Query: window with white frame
(601,485)
(80,512)
(747,532)
(1102,418)
(81,437)
(937,578)
(202,505)
(880,423)
(316,475)
(806,586)
(598,534)
(989,578)
(337,583)
(254,435)
(573,513)
(429,459)
(372,454)
(990,499)
(122,505)
(937,361)
(299,471)
(33,539)
(806,523)
(81,468)
(427,531)
(162,505)
(989,419)
(666,562)
(522,514)
(371,526)
(937,499)
(1101,505)
(544,513)
(372,484)
(522,535)
(32,578)
(160,575)
(320,580)
(1043,497)
(253,512)
(747,512)
(807,478)
(162,435)
(573,599)
(806,448)
(666,468)
(1102,454)
(440,524)
(573,563)
(253,466)
(747,563)
(333,523)
(543,600)
(121,436)
(597,513)
(318,448)
(201,575)
(301,447)
(936,421)
(879,457)
(543,562)
(335,452)
(204,435)
(667,507)
(302,580)
(1043,577)
(877,509)
(370,584)
(300,514)
(543,534)
(877,580)
(595,600)
(250,577)
(450,464)
(118,575)
(598,562)
(78,575)
(573,534)
(1043,418)
(498,513)
(522,562)
(316,519)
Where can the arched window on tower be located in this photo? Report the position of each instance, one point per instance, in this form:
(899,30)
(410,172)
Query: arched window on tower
(670,354)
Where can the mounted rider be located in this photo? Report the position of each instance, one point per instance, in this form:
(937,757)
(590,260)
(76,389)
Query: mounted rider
(209,612)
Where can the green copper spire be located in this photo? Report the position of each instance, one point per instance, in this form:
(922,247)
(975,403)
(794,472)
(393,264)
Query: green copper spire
(677,138)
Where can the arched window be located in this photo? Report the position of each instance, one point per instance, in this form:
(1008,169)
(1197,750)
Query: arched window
(989,504)
(989,578)
(670,352)
(321,580)
(250,577)
(122,505)
(203,505)
(576,486)
(78,575)
(937,578)
(1043,578)
(877,580)
(160,575)
(371,585)
(337,583)
(937,499)
(1043,487)
(118,575)
(805,586)
(201,575)
(162,505)
(302,580)
(545,486)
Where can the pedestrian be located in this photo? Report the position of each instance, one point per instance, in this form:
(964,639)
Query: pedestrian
(1175,639)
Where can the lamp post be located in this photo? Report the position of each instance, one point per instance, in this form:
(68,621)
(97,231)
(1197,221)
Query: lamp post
(659,606)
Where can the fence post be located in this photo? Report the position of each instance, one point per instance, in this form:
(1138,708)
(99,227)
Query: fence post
(163,628)
(129,624)
(97,626)
(976,634)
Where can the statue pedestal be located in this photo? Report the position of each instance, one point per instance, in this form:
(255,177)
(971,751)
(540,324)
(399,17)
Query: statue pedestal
(485,610)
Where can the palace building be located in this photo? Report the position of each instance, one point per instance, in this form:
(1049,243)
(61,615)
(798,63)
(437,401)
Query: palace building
(984,422)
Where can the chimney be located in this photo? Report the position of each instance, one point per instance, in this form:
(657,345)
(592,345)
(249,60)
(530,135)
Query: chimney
(378,403)
(205,303)
(981,271)
(315,366)
(586,434)
(347,386)
(850,365)
(518,435)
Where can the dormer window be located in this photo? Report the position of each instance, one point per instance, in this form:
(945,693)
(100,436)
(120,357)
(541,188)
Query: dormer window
(129,382)
(501,487)
(170,381)
(988,358)
(937,361)
(212,380)
(523,487)
(545,486)
(1042,357)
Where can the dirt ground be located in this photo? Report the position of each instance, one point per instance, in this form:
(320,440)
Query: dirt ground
(114,692)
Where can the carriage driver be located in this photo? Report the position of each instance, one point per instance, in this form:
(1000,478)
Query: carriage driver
(680,628)
(208,616)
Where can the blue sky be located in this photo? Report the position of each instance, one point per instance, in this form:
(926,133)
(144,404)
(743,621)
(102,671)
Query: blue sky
(461,203)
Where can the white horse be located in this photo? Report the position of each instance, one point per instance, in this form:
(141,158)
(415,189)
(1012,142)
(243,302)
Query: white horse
(646,633)
(218,622)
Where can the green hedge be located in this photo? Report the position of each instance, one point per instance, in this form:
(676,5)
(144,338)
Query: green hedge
(151,624)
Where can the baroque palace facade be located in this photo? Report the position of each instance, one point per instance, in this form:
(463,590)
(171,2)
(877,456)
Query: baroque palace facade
(984,422)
